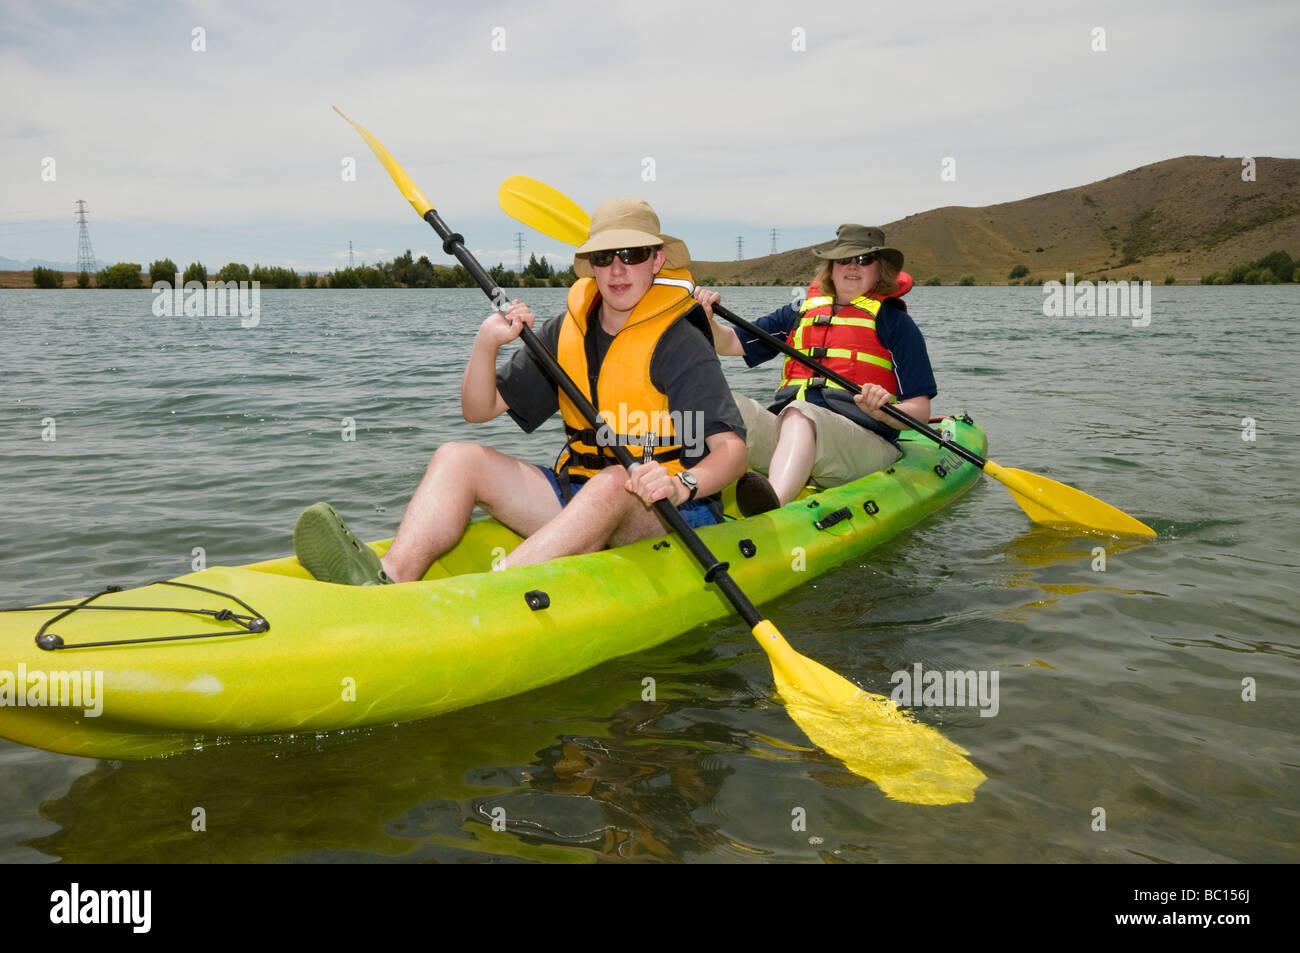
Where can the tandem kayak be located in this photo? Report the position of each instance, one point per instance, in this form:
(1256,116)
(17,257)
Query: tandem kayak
(265,649)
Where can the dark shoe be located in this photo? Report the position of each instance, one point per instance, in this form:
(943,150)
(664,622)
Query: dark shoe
(328,550)
(755,495)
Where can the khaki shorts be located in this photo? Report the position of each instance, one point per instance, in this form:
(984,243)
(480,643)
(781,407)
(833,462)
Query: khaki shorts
(845,450)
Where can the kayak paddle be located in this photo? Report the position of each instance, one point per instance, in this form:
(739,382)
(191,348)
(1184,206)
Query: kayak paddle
(1044,501)
(917,764)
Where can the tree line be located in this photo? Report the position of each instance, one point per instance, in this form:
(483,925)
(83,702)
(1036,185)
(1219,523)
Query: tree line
(1274,268)
(401,272)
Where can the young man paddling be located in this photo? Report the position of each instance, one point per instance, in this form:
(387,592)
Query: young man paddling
(638,345)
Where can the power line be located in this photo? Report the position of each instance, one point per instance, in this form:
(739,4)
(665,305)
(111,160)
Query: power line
(85,254)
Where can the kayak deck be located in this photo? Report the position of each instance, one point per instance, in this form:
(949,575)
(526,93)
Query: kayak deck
(338,657)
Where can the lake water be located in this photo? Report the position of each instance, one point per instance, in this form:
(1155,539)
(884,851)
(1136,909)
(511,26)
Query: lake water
(1162,690)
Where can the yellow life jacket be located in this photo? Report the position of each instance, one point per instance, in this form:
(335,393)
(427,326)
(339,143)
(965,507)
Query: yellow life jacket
(628,402)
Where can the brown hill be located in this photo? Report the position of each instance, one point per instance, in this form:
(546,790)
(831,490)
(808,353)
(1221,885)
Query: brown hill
(1184,217)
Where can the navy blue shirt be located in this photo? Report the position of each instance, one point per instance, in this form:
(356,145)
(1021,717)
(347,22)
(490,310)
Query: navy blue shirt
(896,331)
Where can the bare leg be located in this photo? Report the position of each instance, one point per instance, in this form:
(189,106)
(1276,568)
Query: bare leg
(459,476)
(603,513)
(792,461)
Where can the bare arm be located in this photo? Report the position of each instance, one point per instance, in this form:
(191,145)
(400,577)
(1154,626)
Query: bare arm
(480,400)
(725,340)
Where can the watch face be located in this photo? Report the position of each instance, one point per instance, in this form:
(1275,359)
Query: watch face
(689,479)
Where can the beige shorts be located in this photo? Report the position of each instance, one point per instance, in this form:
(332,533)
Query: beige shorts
(845,450)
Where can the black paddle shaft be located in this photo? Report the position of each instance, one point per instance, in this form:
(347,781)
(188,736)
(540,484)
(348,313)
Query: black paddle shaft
(714,571)
(771,340)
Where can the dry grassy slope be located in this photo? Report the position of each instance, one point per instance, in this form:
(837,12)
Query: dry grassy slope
(1185,217)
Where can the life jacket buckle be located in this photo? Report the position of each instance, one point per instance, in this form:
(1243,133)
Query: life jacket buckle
(821,319)
(816,382)
(817,353)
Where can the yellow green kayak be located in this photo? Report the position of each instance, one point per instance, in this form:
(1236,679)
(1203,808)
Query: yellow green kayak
(265,649)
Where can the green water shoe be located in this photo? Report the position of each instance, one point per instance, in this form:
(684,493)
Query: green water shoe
(329,551)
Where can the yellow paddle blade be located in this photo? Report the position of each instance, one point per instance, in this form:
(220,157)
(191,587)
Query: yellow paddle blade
(403,181)
(543,208)
(1046,501)
(909,760)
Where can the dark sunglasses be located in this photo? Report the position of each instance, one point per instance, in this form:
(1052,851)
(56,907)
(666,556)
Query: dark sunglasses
(863,260)
(628,256)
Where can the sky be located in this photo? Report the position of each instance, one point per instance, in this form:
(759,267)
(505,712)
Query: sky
(203,130)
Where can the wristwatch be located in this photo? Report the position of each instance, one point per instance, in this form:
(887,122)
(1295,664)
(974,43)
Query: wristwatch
(689,481)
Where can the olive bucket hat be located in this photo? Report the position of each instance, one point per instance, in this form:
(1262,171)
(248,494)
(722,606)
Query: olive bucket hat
(627,223)
(851,240)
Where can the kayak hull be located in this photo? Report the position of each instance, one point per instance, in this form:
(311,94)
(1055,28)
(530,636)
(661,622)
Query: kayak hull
(341,657)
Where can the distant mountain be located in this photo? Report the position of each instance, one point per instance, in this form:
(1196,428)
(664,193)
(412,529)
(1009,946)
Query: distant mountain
(9,264)
(1184,217)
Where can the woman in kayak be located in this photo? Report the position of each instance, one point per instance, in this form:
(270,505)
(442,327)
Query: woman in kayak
(855,323)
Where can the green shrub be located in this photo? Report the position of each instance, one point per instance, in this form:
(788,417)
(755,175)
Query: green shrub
(309,280)
(345,278)
(273,276)
(1018,272)
(966,281)
(1278,262)
(233,272)
(1170,279)
(195,272)
(83,279)
(933,282)
(47,277)
(125,274)
(162,270)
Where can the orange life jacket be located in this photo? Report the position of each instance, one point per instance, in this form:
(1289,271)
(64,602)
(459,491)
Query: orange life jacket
(628,402)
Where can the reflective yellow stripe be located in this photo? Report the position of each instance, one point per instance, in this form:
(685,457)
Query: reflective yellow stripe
(810,303)
(841,352)
(857,322)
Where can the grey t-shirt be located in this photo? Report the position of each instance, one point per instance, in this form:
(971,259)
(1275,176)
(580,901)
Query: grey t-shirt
(684,366)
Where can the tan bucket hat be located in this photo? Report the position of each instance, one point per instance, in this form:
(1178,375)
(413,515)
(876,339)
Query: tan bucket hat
(851,240)
(627,223)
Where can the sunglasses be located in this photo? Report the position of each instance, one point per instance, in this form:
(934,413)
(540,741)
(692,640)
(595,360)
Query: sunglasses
(628,256)
(863,260)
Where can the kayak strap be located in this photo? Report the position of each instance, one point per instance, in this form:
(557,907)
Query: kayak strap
(254,623)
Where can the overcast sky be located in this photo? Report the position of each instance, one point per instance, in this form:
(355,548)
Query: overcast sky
(788,114)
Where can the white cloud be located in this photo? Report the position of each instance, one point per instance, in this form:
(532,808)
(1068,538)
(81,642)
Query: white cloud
(237,148)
